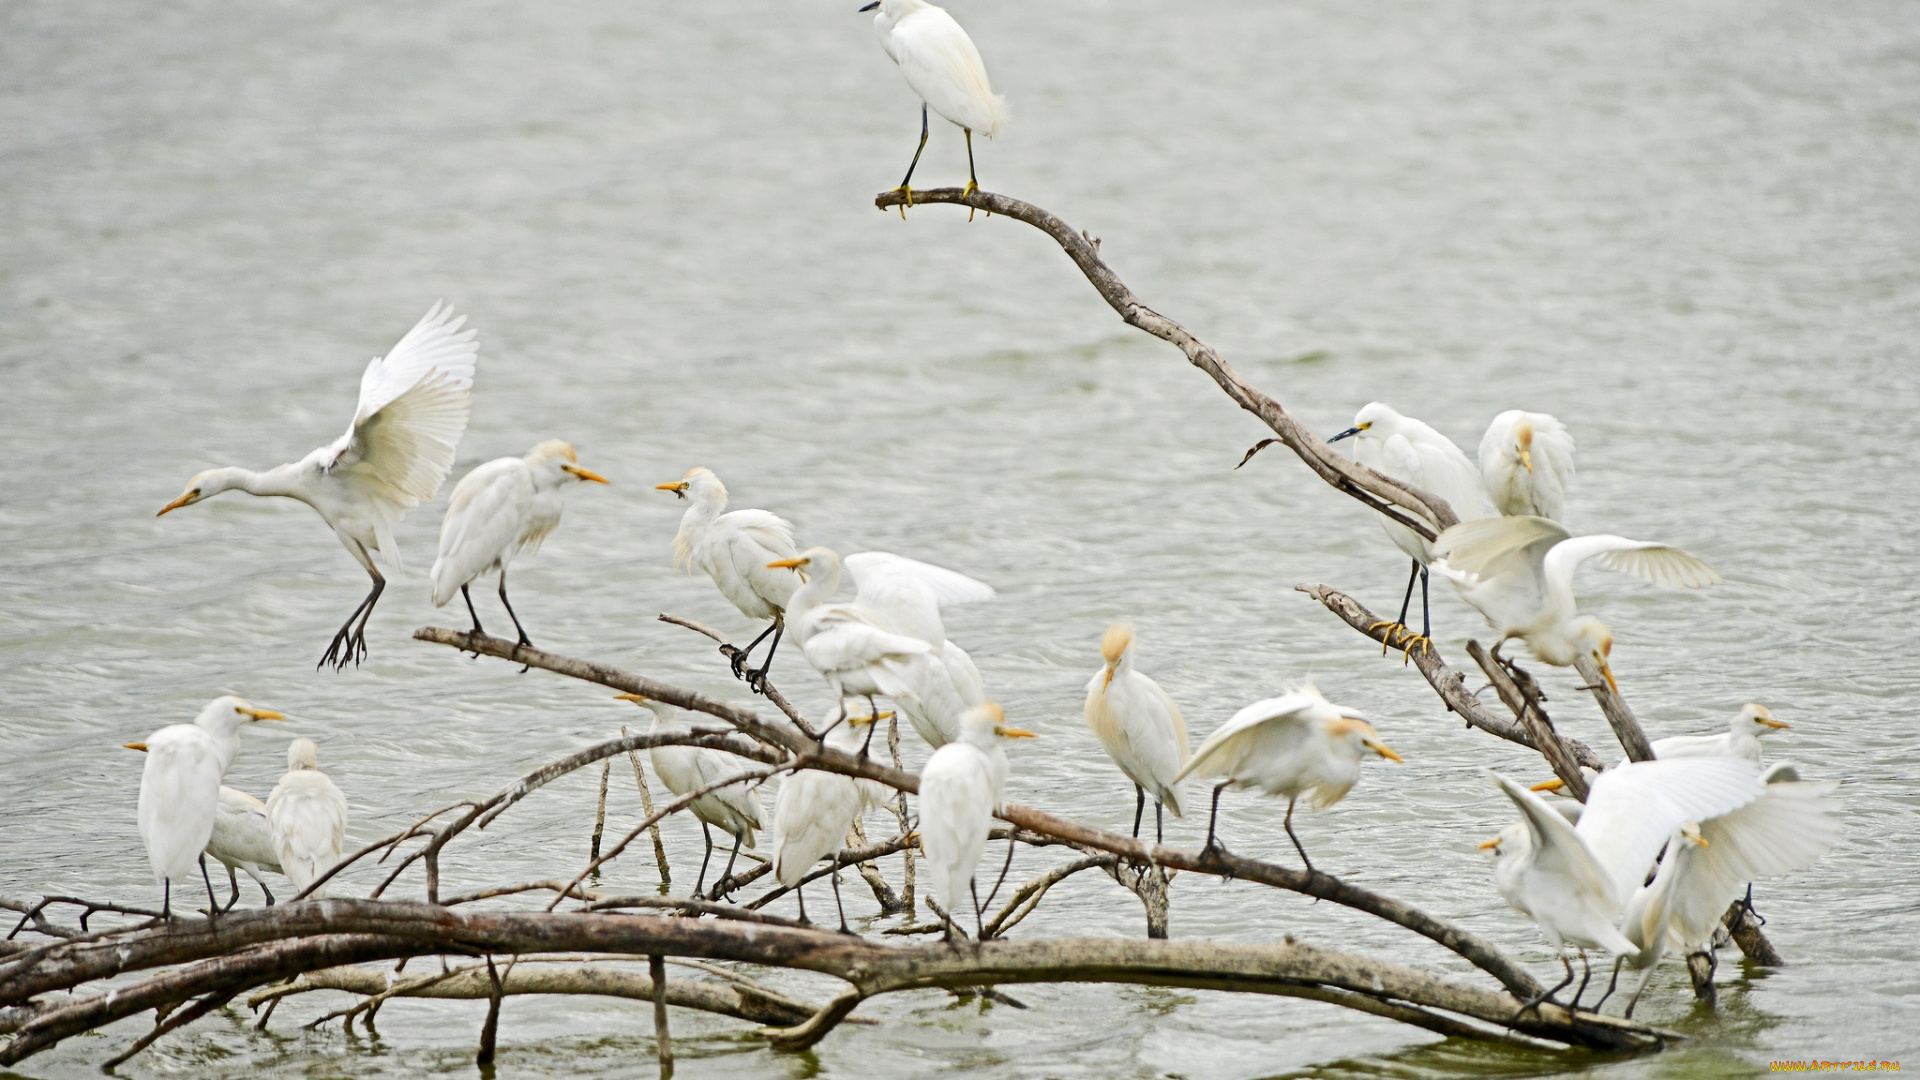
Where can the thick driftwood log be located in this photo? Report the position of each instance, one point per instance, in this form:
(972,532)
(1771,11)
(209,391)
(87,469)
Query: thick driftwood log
(1473,948)
(1421,511)
(255,947)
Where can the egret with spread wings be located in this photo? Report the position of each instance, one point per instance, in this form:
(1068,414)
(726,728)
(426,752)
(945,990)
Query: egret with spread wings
(394,455)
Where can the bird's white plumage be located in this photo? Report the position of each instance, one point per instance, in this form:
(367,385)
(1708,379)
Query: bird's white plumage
(1406,449)
(501,508)
(308,816)
(1518,572)
(1137,723)
(180,784)
(961,786)
(940,63)
(1741,739)
(814,809)
(909,595)
(1298,744)
(242,839)
(734,547)
(687,769)
(1632,810)
(1526,463)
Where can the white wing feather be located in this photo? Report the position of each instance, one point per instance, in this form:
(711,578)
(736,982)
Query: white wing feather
(1633,810)
(483,520)
(910,595)
(412,412)
(179,795)
(942,65)
(1787,828)
(1658,563)
(309,819)
(1226,750)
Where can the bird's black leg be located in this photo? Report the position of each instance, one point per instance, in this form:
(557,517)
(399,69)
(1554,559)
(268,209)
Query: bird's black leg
(1212,818)
(468,597)
(1547,995)
(979,926)
(213,902)
(264,891)
(1139,807)
(233,883)
(757,680)
(1159,835)
(915,163)
(872,724)
(524,639)
(1426,616)
(973,185)
(834,877)
(1288,822)
(1611,983)
(350,643)
(737,838)
(166,902)
(707,835)
(1586,970)
(1407,600)
(800,894)
(739,661)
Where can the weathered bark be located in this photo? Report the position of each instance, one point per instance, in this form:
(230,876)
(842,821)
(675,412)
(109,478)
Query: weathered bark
(1534,718)
(1614,707)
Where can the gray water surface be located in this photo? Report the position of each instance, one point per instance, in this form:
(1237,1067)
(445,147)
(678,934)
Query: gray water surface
(1687,229)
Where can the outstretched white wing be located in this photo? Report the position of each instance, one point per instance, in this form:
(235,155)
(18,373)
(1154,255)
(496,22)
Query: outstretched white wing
(1634,809)
(1559,848)
(1498,564)
(412,412)
(1658,563)
(1786,828)
(1278,719)
(908,594)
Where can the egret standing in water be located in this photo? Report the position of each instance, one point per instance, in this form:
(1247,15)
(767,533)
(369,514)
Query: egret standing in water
(1140,727)
(814,810)
(961,786)
(1292,745)
(942,66)
(498,510)
(241,839)
(735,808)
(1518,572)
(180,789)
(1406,449)
(1526,463)
(396,452)
(734,548)
(308,816)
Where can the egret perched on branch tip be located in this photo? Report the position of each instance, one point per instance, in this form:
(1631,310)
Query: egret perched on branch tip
(943,67)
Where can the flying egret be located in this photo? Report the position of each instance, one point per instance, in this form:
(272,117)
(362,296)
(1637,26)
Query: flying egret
(734,549)
(888,640)
(308,816)
(1574,880)
(498,510)
(1140,727)
(241,839)
(1526,463)
(961,786)
(1518,572)
(395,453)
(942,66)
(814,810)
(1787,827)
(687,769)
(1405,449)
(1296,744)
(180,789)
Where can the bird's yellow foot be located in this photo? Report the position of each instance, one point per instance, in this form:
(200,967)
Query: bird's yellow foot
(1414,641)
(968,193)
(1394,631)
(906,193)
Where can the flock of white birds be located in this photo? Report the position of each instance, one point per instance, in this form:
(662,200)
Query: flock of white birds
(1644,868)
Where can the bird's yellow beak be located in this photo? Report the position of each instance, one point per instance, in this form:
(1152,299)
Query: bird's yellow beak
(1691,830)
(179,502)
(678,487)
(140,746)
(858,721)
(1485,844)
(1006,732)
(1606,672)
(1526,458)
(1554,784)
(1382,749)
(1108,681)
(635,698)
(585,474)
(1780,725)
(262,714)
(787,564)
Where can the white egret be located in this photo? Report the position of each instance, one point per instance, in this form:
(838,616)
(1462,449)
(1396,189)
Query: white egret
(943,67)
(1139,726)
(1741,739)
(498,510)
(1787,827)
(961,786)
(180,789)
(1575,880)
(887,641)
(308,816)
(814,810)
(1406,449)
(734,548)
(1526,463)
(1518,572)
(394,455)
(735,809)
(1296,744)
(241,839)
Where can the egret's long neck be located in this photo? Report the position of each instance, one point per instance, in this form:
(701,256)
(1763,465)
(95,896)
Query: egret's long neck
(702,508)
(822,579)
(280,480)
